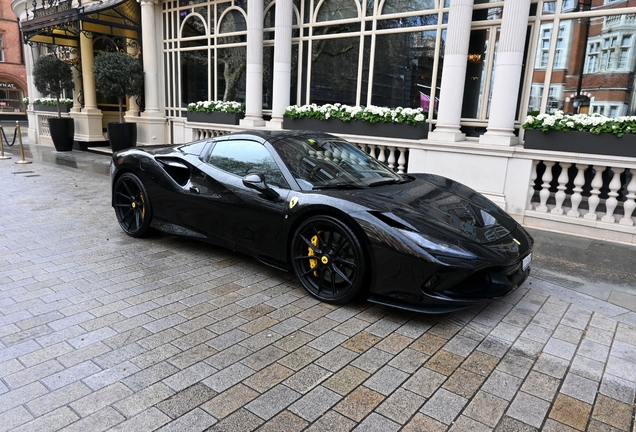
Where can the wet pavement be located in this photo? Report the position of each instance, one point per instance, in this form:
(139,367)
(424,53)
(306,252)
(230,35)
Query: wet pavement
(100,331)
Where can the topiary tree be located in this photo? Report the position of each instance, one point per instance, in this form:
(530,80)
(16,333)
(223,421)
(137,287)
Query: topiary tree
(52,76)
(118,75)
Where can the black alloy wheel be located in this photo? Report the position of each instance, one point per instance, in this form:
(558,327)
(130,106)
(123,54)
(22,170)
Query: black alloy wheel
(328,259)
(132,205)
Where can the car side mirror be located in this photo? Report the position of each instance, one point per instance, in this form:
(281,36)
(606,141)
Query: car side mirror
(258,183)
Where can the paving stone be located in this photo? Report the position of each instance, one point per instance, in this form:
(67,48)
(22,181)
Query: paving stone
(336,359)
(143,399)
(345,380)
(228,377)
(613,412)
(467,424)
(428,343)
(109,376)
(424,382)
(189,376)
(195,420)
(263,357)
(150,419)
(508,424)
(71,375)
(580,388)
(541,385)
(315,403)
(464,382)
(53,421)
(14,418)
(300,358)
(551,365)
(229,401)
(32,374)
(571,412)
(186,400)
(148,376)
(351,327)
(227,357)
(241,421)
(99,399)
(486,409)
(333,422)
(273,401)
(286,421)
(359,403)
(587,368)
(401,405)
(56,399)
(618,388)
(528,409)
(377,423)
(444,362)
(386,380)
(99,421)
(444,406)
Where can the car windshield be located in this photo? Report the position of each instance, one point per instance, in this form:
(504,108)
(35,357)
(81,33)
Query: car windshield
(329,162)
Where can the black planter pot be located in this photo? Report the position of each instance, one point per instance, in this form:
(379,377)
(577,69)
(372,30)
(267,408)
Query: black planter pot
(122,135)
(581,142)
(62,131)
(354,127)
(214,117)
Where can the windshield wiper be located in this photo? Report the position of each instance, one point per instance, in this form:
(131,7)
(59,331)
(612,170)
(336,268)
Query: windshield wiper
(400,180)
(340,186)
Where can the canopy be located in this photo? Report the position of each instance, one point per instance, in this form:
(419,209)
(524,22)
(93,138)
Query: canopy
(61,24)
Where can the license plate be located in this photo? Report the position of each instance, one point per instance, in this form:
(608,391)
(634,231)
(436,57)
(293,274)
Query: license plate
(526,262)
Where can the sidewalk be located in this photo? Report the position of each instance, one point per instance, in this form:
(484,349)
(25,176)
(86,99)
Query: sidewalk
(99,331)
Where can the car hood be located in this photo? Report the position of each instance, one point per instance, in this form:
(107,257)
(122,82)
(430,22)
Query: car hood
(431,202)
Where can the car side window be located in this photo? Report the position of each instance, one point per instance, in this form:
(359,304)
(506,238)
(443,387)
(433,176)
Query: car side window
(241,158)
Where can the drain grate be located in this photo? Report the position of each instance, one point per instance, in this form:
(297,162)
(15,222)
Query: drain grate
(22,172)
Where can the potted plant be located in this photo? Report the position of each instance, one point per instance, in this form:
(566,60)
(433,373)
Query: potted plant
(409,123)
(52,76)
(216,112)
(581,133)
(50,104)
(119,75)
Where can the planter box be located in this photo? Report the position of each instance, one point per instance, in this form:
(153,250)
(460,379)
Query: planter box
(312,124)
(52,108)
(581,142)
(354,127)
(214,117)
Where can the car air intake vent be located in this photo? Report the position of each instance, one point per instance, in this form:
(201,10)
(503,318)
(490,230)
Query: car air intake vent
(391,220)
(179,171)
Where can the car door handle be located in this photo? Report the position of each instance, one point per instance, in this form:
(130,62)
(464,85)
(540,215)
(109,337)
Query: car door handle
(194,189)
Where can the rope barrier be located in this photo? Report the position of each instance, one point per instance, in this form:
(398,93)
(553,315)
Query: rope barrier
(2,156)
(4,136)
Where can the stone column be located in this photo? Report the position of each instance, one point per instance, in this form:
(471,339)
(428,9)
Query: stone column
(282,62)
(454,73)
(88,122)
(254,66)
(503,105)
(88,79)
(151,125)
(133,106)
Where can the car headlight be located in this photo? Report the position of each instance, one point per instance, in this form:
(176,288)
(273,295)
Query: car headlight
(437,247)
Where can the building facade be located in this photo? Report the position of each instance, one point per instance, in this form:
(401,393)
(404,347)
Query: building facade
(477,67)
(13,82)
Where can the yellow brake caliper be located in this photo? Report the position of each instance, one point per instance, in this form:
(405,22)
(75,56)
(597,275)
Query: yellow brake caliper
(143,205)
(313,263)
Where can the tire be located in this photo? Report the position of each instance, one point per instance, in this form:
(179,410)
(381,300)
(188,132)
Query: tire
(328,259)
(132,205)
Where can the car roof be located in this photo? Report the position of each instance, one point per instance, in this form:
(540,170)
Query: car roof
(272,136)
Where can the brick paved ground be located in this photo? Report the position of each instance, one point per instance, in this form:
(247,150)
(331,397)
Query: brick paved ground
(101,331)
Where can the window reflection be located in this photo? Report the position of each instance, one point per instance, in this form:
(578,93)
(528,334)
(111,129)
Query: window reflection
(593,60)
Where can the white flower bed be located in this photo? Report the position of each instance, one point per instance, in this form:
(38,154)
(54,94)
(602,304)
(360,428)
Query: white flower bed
(370,114)
(594,123)
(230,107)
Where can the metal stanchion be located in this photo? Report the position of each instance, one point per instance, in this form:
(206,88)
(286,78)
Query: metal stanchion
(2,156)
(21,161)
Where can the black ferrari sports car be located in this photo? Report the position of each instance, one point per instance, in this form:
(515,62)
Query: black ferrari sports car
(344,223)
